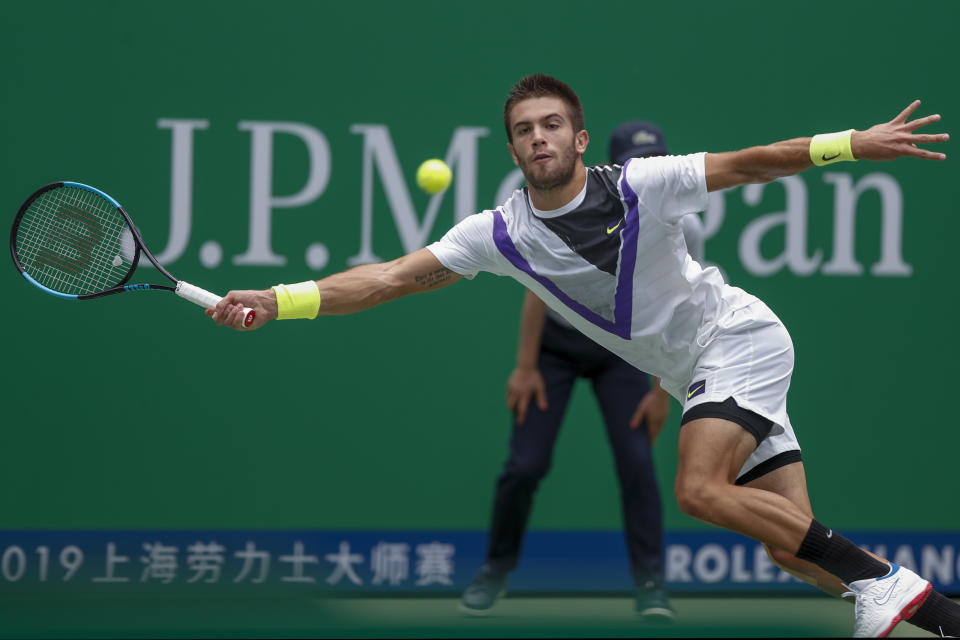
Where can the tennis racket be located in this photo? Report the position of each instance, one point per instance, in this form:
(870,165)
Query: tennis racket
(76,242)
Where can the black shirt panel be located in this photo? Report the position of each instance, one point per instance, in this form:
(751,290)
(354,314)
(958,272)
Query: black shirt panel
(593,229)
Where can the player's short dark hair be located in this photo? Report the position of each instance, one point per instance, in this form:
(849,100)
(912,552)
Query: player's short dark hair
(538,85)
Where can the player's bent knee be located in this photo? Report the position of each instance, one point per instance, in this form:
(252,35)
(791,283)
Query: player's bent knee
(697,499)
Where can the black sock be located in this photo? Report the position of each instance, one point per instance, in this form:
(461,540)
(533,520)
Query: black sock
(939,615)
(834,553)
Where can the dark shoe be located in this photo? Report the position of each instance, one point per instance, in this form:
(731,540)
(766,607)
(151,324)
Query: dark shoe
(478,599)
(651,602)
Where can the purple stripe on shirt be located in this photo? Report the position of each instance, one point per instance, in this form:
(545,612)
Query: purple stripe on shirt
(623,298)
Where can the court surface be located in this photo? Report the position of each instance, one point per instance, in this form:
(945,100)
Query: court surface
(147,616)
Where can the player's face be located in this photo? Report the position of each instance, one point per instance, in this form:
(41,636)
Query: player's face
(545,146)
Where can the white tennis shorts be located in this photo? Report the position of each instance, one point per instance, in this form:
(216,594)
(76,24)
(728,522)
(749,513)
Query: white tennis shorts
(749,357)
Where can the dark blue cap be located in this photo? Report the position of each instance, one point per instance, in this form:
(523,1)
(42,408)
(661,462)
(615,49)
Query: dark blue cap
(636,139)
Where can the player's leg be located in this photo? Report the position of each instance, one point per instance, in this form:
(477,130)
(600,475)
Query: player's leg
(711,452)
(790,481)
(618,388)
(938,615)
(776,465)
(741,380)
(737,400)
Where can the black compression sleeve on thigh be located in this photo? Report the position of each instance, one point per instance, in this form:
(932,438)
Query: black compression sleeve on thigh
(831,551)
(758,426)
(939,615)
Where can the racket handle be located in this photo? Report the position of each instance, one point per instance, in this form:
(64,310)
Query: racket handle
(206,299)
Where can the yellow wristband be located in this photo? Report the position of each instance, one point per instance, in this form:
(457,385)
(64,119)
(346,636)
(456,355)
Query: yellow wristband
(294,301)
(827,148)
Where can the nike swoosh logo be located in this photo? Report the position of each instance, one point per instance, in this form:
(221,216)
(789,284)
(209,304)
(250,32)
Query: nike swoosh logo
(614,227)
(690,393)
(889,594)
(826,159)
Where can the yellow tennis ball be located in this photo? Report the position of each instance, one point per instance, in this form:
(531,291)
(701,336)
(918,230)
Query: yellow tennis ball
(434,176)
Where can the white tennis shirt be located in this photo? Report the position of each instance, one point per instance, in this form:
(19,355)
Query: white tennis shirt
(612,262)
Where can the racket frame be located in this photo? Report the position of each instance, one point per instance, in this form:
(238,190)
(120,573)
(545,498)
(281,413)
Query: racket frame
(183,289)
(139,247)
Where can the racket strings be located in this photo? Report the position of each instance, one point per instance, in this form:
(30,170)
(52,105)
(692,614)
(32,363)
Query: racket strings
(72,240)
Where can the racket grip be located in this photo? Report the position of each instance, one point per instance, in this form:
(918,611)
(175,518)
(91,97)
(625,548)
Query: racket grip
(206,299)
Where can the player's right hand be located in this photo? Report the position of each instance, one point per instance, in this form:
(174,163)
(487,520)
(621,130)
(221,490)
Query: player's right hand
(523,384)
(229,311)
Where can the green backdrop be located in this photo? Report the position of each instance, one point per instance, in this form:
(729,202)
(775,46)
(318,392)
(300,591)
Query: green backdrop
(137,412)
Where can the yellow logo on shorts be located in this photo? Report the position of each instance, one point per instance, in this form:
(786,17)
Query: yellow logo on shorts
(696,389)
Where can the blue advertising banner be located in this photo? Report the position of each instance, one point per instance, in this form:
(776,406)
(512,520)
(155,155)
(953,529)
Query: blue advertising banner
(344,562)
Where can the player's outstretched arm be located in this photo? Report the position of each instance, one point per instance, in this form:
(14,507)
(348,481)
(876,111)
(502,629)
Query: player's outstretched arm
(350,291)
(368,285)
(885,141)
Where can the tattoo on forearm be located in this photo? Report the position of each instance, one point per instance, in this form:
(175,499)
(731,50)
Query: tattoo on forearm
(434,278)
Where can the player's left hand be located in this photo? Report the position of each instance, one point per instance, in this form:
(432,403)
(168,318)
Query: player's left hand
(654,407)
(895,139)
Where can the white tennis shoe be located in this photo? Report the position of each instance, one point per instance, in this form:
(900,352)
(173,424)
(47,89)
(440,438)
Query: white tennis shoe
(883,602)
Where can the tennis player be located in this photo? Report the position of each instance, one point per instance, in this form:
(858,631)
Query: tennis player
(602,246)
